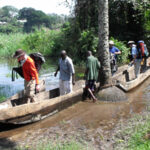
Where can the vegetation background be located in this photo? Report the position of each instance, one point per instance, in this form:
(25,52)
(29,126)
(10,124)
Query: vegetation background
(33,30)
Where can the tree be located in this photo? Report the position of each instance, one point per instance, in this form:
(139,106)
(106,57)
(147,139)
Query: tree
(103,47)
(35,18)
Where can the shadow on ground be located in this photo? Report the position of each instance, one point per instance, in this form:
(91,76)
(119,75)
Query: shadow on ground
(6,144)
(7,127)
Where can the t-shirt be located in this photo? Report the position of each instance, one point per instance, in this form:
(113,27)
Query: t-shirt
(114,49)
(93,66)
(29,70)
(66,69)
(135,52)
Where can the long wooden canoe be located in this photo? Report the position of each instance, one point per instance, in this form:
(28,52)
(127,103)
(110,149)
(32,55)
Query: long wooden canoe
(49,102)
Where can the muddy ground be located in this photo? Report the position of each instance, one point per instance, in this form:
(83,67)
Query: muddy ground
(98,126)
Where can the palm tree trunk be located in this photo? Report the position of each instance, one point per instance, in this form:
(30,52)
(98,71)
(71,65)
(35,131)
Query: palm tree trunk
(103,47)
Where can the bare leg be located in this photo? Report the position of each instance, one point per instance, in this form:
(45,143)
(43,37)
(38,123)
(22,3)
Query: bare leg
(92,95)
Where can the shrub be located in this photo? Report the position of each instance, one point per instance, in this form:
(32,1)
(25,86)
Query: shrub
(42,40)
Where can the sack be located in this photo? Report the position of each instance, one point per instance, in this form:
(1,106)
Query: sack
(142,49)
(38,60)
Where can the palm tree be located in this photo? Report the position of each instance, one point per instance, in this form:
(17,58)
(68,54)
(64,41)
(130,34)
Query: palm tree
(103,47)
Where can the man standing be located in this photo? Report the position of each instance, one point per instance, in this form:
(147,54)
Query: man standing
(114,51)
(31,82)
(91,74)
(136,58)
(66,78)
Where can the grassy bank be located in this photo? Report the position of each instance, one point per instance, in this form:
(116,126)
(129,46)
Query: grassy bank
(140,139)
(51,42)
(39,41)
(9,43)
(134,134)
(57,146)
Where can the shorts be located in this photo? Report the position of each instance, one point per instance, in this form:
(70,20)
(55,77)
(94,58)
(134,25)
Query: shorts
(29,88)
(90,84)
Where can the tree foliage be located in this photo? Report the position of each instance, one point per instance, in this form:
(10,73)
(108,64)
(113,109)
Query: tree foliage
(34,18)
(128,19)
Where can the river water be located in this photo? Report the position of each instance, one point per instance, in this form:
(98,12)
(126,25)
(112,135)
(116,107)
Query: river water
(9,88)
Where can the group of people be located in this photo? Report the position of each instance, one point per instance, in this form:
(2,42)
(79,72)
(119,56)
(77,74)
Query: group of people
(66,77)
(137,56)
(67,71)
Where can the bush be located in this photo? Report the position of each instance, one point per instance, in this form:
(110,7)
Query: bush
(51,42)
(42,40)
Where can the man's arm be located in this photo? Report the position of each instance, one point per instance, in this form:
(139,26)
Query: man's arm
(72,70)
(58,68)
(73,79)
(86,69)
(117,51)
(34,74)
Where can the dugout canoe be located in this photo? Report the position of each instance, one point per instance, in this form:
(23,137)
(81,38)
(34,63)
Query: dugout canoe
(49,102)
(126,80)
(13,111)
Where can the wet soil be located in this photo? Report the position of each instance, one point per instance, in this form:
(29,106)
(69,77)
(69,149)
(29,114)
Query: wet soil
(86,122)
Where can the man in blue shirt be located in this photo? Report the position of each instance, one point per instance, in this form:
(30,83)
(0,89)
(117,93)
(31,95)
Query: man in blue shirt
(114,51)
(136,58)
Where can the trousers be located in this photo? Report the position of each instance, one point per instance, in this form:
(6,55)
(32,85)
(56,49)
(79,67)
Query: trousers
(65,87)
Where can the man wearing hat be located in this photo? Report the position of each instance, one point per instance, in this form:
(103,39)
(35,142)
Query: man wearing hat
(31,82)
(114,51)
(136,58)
(66,78)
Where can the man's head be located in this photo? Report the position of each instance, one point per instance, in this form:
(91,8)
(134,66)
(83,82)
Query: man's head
(111,44)
(130,43)
(89,53)
(63,54)
(19,54)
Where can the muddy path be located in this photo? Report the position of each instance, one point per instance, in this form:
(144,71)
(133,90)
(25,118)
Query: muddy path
(86,114)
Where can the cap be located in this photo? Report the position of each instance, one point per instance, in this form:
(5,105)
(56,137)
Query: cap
(111,42)
(131,42)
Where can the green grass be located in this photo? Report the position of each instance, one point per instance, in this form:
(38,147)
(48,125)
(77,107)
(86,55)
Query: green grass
(49,146)
(2,98)
(39,41)
(10,43)
(138,140)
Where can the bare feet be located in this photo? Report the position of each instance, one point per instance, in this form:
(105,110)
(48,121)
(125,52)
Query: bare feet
(94,100)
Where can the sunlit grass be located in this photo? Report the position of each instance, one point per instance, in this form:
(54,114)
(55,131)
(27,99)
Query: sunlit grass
(10,43)
(139,139)
(51,146)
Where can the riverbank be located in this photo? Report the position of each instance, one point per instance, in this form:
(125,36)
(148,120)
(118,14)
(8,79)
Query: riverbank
(88,126)
(127,134)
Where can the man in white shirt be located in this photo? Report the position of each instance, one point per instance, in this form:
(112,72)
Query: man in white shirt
(66,78)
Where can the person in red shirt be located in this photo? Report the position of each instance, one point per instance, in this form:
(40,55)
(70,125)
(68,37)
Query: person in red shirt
(31,82)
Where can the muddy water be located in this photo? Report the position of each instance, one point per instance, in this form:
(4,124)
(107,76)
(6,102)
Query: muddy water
(91,115)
